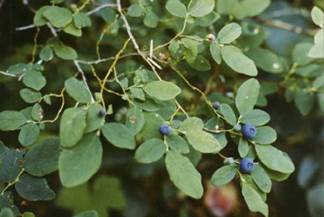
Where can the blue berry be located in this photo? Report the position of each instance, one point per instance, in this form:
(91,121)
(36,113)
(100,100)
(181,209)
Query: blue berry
(165,129)
(246,165)
(249,131)
(102,113)
(216,105)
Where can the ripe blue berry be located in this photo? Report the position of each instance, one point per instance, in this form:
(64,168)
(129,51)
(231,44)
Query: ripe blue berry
(216,105)
(165,129)
(246,165)
(102,113)
(249,131)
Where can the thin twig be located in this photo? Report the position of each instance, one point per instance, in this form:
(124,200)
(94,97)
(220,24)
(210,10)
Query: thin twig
(35,45)
(83,78)
(12,182)
(7,74)
(53,31)
(61,95)
(108,5)
(22,28)
(104,81)
(98,61)
(279,24)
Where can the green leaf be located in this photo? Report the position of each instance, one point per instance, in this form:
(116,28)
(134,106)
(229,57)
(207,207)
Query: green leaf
(274,159)
(72,126)
(64,52)
(191,49)
(226,6)
(261,179)
(317,16)
(215,51)
(39,19)
(174,49)
(72,30)
(228,114)
(59,17)
(243,148)
(150,151)
(19,68)
(304,101)
(94,120)
(42,159)
(250,8)
(29,95)
(223,175)
(77,90)
(28,134)
(319,82)
(34,79)
(137,93)
(240,63)
(256,117)
(6,212)
(11,120)
(81,20)
(229,33)
(208,20)
(203,141)
(200,8)
(87,214)
(277,176)
(191,123)
(10,162)
(151,19)
(46,53)
(87,155)
(119,135)
(266,60)
(200,64)
(265,135)
(135,119)
(176,8)
(135,10)
(153,122)
(28,214)
(162,90)
(317,50)
(247,96)
(254,200)
(34,189)
(177,143)
(37,112)
(183,174)
(300,54)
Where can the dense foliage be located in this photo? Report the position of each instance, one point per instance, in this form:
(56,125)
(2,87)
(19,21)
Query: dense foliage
(154,92)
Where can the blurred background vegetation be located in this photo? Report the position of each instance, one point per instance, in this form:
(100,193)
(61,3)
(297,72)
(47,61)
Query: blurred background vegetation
(145,189)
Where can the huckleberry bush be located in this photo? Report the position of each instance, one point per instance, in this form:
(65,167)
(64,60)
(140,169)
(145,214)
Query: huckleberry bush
(113,73)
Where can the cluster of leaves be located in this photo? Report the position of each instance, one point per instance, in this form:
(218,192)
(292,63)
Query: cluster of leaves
(154,97)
